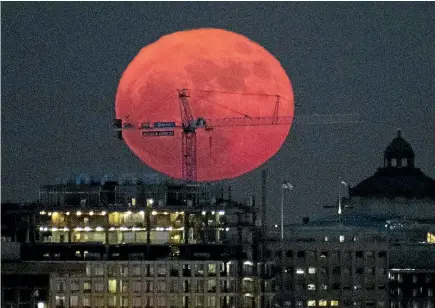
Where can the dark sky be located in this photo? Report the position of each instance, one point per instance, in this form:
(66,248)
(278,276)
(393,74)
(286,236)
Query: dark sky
(61,63)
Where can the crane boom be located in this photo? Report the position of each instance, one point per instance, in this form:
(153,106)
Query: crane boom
(189,125)
(260,121)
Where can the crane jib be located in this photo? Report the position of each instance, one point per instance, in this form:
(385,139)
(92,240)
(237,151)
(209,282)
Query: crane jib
(158,133)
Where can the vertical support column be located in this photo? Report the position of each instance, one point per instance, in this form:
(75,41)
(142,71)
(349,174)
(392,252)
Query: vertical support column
(148,223)
(186,227)
(106,228)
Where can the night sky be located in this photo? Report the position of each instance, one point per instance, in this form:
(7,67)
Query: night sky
(61,63)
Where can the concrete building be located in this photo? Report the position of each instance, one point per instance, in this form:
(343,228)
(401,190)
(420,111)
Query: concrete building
(161,245)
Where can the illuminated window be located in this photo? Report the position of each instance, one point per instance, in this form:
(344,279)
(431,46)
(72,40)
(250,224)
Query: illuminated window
(60,300)
(87,286)
(311,270)
(341,238)
(311,303)
(112,286)
(323,302)
(300,271)
(311,287)
(430,237)
(334,303)
(212,269)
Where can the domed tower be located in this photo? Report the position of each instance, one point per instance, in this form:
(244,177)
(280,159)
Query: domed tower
(398,177)
(399,153)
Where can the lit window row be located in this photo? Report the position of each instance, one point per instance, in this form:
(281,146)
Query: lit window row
(91,213)
(322,303)
(98,229)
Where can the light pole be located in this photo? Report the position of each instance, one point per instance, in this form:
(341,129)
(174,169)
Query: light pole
(285,185)
(339,195)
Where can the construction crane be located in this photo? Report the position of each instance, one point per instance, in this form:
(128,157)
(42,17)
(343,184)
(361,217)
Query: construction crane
(190,124)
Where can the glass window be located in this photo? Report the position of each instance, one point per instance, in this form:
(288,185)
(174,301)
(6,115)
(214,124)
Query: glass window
(99,286)
(111,300)
(161,286)
(111,286)
(311,270)
(124,271)
(86,286)
(161,270)
(112,270)
(60,300)
(73,301)
(124,301)
(211,301)
(75,286)
(311,287)
(148,286)
(300,271)
(123,285)
(311,303)
(137,302)
(86,301)
(334,303)
(99,270)
(136,286)
(161,301)
(289,254)
(211,269)
(60,286)
(323,303)
(98,301)
(136,271)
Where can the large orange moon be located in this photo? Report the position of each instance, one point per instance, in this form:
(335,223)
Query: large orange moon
(233,70)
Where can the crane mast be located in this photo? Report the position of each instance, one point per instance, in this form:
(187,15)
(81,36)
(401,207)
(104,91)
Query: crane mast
(188,138)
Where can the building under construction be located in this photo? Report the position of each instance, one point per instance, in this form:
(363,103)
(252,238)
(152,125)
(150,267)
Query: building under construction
(132,243)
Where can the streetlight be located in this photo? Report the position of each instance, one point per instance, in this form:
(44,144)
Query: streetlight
(339,195)
(285,185)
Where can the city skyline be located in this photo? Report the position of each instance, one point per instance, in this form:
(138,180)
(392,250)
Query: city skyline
(62,63)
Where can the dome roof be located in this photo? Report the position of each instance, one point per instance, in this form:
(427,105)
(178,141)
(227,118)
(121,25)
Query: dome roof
(396,182)
(399,148)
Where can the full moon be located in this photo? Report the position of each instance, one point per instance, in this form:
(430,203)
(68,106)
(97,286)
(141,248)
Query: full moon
(227,76)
